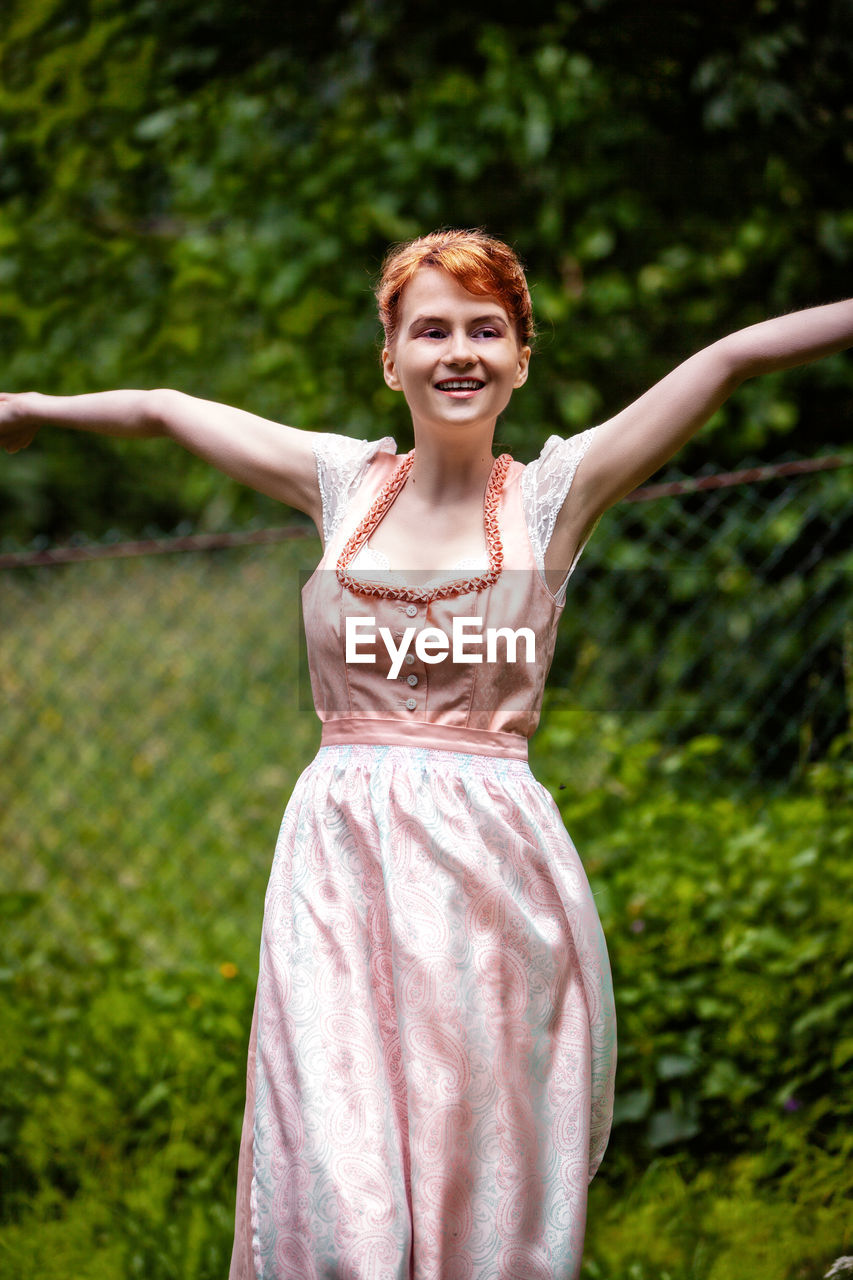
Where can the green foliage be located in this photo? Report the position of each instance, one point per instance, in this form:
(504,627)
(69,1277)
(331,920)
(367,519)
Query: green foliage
(731,936)
(147,706)
(151,744)
(122,1100)
(724,1222)
(723,612)
(196,199)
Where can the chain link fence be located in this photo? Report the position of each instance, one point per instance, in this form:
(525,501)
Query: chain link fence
(720,605)
(152,726)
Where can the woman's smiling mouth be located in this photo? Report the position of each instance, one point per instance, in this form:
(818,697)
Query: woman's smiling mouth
(459,387)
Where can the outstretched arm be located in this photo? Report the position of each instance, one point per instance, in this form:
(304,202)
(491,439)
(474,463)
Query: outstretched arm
(270,457)
(631,446)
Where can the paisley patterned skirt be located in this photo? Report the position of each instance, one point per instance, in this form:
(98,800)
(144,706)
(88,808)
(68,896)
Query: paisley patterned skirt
(433,1049)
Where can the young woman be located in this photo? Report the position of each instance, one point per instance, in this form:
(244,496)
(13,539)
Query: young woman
(433,1048)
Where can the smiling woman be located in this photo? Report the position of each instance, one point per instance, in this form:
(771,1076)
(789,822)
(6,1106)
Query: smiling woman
(433,1047)
(455,356)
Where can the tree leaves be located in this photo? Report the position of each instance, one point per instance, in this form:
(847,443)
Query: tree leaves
(191,198)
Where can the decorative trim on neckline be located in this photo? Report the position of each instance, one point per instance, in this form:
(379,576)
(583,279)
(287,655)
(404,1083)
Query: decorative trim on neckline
(494,546)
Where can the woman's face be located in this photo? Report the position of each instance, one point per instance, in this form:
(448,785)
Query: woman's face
(456,357)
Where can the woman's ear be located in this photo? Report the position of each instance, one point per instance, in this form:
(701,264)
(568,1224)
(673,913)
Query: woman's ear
(523,367)
(389,370)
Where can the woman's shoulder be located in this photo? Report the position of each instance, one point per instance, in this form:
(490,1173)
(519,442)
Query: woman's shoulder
(342,462)
(559,451)
(341,452)
(546,483)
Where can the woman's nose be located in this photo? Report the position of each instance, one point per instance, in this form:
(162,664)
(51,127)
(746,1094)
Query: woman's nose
(461,351)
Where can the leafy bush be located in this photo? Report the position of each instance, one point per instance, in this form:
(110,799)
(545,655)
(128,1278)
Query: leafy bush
(724,1221)
(122,1093)
(730,926)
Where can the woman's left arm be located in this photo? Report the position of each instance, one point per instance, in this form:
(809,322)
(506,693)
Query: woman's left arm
(631,446)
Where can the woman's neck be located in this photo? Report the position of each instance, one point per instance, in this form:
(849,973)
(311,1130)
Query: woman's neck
(443,473)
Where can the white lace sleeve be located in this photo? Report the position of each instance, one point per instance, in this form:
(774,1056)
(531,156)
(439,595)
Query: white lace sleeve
(544,488)
(341,463)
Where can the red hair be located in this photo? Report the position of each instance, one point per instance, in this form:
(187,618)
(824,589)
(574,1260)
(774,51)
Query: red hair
(478,262)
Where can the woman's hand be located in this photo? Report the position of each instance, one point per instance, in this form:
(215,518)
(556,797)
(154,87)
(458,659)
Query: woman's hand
(18,425)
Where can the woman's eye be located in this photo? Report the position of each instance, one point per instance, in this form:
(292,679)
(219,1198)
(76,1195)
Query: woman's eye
(488,332)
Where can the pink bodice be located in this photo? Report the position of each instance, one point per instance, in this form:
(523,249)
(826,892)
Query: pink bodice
(489,707)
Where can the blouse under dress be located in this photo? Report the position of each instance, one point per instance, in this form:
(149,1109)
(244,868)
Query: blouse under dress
(433,1048)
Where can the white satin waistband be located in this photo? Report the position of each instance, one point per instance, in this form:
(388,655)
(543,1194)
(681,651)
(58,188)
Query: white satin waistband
(422,733)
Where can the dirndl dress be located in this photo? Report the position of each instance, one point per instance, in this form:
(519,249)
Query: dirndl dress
(433,1047)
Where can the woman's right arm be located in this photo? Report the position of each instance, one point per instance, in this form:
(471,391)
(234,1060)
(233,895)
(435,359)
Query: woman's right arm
(267,456)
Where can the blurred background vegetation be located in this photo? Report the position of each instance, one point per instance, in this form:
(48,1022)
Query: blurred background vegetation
(200,195)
